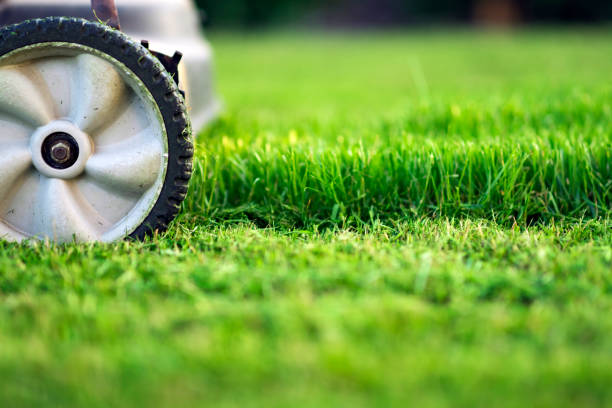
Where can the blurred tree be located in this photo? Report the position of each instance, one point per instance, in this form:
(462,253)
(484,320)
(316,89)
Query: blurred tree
(497,12)
(249,13)
(581,11)
(253,13)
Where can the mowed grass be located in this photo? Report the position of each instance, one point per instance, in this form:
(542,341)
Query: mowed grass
(377,219)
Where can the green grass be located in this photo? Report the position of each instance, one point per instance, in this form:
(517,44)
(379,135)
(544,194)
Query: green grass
(380,219)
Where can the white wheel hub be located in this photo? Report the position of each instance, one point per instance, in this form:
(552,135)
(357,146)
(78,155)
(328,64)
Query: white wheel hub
(60,150)
(83,148)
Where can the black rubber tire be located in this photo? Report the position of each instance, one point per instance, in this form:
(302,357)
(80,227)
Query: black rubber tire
(150,71)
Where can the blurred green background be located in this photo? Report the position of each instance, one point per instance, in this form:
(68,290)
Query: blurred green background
(349,13)
(378,218)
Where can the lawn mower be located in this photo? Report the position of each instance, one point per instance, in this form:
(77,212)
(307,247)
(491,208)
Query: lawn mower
(95,116)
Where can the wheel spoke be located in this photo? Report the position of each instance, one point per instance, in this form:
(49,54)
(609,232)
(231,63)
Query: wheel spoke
(12,131)
(112,206)
(19,205)
(131,121)
(63,215)
(130,167)
(15,169)
(57,74)
(22,98)
(15,160)
(98,93)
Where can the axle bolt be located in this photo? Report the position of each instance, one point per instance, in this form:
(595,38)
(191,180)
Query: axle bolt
(60,152)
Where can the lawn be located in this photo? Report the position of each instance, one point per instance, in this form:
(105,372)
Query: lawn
(376,219)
